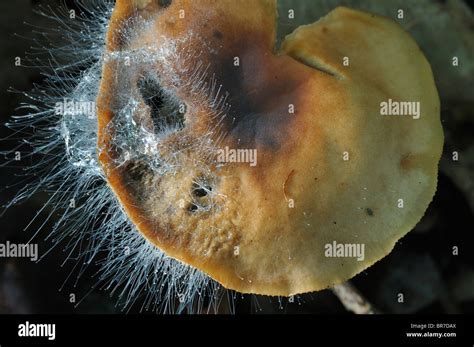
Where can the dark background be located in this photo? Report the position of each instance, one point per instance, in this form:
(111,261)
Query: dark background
(421,266)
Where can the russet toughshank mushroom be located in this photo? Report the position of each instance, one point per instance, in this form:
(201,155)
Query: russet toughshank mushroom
(336,182)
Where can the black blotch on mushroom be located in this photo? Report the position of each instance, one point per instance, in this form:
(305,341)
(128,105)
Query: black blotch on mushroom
(217,34)
(192,208)
(201,190)
(164,3)
(166,111)
(139,175)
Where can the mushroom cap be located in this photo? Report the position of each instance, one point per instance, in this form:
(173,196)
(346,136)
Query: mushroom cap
(333,170)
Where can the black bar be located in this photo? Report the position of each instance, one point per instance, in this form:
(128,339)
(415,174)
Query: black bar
(107,330)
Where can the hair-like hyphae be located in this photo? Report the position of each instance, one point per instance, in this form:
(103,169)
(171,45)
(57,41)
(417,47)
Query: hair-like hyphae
(59,128)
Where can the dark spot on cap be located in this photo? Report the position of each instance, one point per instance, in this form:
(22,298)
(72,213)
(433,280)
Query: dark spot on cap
(369,211)
(137,170)
(217,34)
(192,208)
(164,3)
(137,176)
(200,192)
(407,162)
(259,92)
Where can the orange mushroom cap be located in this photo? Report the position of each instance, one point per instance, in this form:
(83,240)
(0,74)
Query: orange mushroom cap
(330,169)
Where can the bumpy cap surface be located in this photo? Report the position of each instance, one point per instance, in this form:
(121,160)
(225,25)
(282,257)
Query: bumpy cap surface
(185,82)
